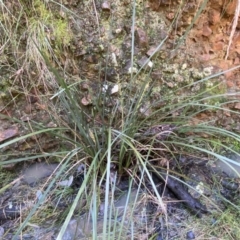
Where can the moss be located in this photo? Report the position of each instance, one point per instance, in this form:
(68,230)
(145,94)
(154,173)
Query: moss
(6,177)
(216,92)
(227,220)
(5,86)
(62,32)
(233,144)
(4,83)
(48,27)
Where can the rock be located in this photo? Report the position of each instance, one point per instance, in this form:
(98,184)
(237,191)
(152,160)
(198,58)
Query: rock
(73,230)
(159,237)
(190,235)
(145,63)
(91,58)
(237,106)
(214,16)
(229,184)
(132,70)
(106,6)
(85,86)
(8,133)
(218,46)
(141,38)
(38,171)
(231,8)
(114,89)
(86,100)
(1,231)
(184,66)
(155,49)
(206,31)
(9,167)
(229,165)
(217,4)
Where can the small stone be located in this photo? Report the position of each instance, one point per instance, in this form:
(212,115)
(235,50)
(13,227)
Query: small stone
(170,84)
(227,112)
(106,6)
(62,14)
(230,84)
(39,106)
(1,231)
(150,64)
(86,101)
(184,66)
(204,57)
(146,109)
(51,125)
(153,50)
(118,30)
(237,105)
(163,34)
(236,61)
(218,46)
(85,86)
(81,53)
(231,185)
(206,31)
(231,8)
(159,237)
(9,167)
(132,70)
(216,4)
(91,58)
(28,108)
(214,16)
(114,59)
(190,235)
(173,54)
(114,89)
(224,65)
(170,15)
(145,62)
(141,38)
(156,75)
(8,133)
(25,118)
(33,99)
(38,171)
(105,88)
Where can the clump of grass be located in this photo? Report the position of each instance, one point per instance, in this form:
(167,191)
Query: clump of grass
(220,225)
(35,28)
(101,144)
(227,224)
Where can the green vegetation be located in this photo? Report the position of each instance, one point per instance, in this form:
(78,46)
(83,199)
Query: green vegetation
(223,226)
